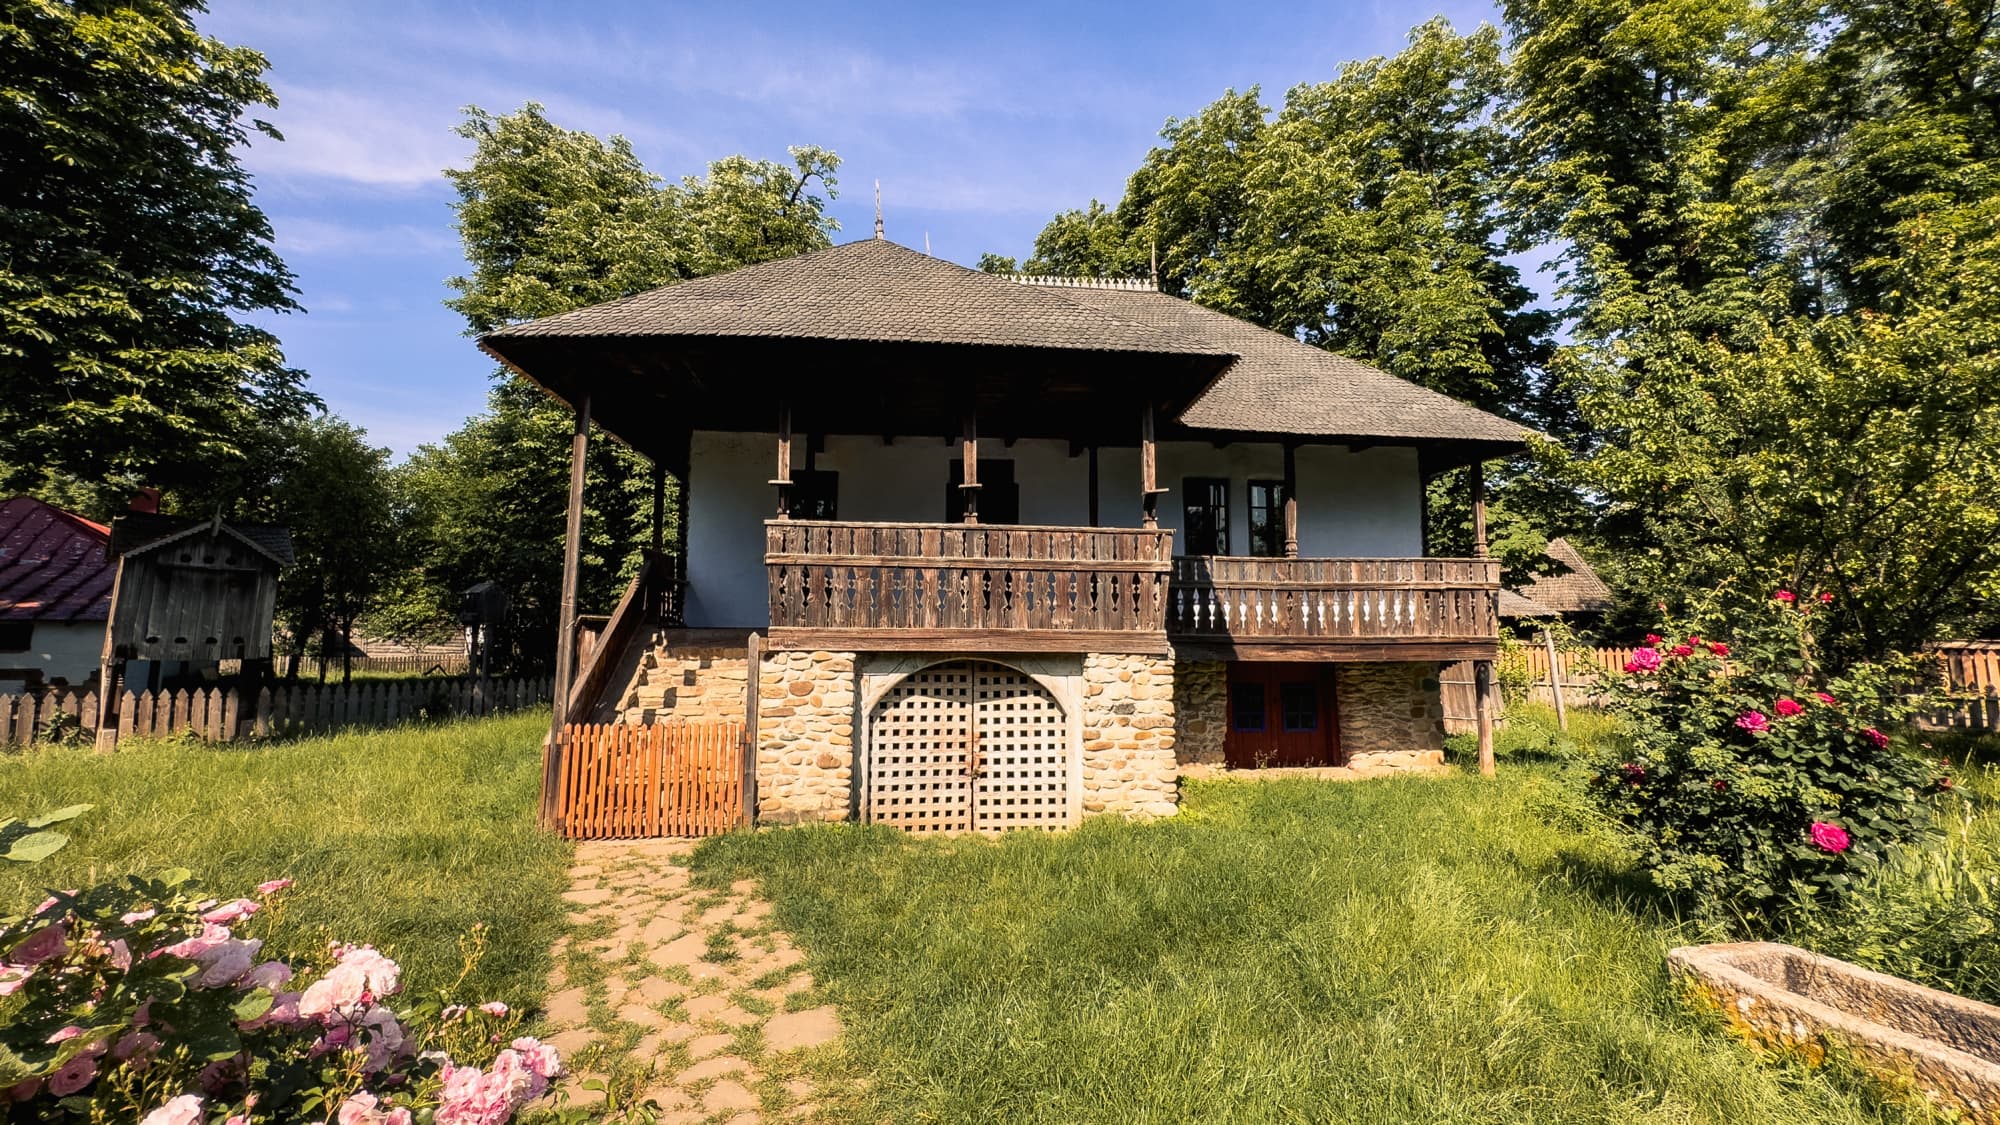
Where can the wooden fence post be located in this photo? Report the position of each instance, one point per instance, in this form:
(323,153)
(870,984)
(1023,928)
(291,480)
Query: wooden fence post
(1555,679)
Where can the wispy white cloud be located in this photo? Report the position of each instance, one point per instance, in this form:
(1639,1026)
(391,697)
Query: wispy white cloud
(308,236)
(377,139)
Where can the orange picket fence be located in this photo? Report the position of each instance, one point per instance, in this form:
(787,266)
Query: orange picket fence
(671,778)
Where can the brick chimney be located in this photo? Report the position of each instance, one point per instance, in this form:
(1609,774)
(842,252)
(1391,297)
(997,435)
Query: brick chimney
(146,500)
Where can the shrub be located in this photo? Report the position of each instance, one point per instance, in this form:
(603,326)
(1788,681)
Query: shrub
(1751,783)
(134,1001)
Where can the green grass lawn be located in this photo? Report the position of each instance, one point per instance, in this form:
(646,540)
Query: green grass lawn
(404,838)
(1417,950)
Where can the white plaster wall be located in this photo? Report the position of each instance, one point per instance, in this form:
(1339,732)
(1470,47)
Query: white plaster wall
(1350,504)
(61,650)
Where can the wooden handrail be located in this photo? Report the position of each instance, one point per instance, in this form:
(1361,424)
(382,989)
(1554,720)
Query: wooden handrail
(1378,599)
(625,621)
(967,578)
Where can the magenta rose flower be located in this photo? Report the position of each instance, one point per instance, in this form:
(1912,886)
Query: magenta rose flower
(1654,638)
(1830,837)
(1718,648)
(1683,651)
(1786,708)
(1786,596)
(1880,740)
(1644,660)
(1826,699)
(1753,721)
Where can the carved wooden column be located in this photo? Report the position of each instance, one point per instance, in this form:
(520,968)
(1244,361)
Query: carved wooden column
(783,480)
(1291,499)
(1093,486)
(659,508)
(1476,473)
(1482,703)
(968,440)
(1149,469)
(579,448)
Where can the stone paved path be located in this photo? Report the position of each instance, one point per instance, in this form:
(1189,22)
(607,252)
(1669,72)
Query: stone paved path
(681,996)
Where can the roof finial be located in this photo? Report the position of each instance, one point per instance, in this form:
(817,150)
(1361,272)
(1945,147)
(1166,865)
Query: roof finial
(927,244)
(878,210)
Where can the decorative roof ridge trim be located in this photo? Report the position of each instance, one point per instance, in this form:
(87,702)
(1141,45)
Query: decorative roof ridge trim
(1058,281)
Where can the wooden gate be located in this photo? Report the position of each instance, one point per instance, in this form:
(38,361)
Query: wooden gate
(673,778)
(969,745)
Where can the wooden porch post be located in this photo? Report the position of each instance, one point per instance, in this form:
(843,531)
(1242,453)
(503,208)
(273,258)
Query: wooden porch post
(1093,486)
(1291,499)
(1482,702)
(579,447)
(783,481)
(659,507)
(1476,473)
(1149,468)
(968,440)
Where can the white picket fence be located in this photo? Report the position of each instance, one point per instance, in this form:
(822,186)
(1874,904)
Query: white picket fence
(227,713)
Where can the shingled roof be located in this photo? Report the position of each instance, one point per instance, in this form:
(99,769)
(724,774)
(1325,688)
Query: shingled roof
(1279,384)
(877,293)
(54,566)
(1578,591)
(873,291)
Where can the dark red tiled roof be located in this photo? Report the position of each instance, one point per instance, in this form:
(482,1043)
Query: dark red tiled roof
(53,566)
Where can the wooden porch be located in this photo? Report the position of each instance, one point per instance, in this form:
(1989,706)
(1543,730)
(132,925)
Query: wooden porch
(935,587)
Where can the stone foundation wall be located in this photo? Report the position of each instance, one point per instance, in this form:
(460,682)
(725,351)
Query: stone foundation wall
(1201,715)
(1391,715)
(690,682)
(1128,735)
(805,737)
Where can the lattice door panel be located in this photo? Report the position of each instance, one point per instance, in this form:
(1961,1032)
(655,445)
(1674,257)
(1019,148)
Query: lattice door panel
(919,752)
(1022,776)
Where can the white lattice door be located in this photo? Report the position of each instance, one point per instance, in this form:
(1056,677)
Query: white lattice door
(969,745)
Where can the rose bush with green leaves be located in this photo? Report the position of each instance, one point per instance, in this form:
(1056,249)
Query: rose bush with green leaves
(1750,783)
(135,1001)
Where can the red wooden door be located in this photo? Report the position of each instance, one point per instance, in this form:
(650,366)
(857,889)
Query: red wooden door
(1281,715)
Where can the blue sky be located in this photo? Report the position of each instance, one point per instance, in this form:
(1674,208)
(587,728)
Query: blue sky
(980,121)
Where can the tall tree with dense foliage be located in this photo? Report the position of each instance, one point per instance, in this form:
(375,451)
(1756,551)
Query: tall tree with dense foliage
(1778,260)
(555,219)
(129,251)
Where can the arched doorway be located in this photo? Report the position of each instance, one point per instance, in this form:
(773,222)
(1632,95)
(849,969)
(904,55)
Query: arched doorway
(969,744)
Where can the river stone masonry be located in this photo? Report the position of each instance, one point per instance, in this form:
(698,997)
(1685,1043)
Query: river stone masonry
(1201,717)
(805,737)
(1391,716)
(1128,735)
(687,682)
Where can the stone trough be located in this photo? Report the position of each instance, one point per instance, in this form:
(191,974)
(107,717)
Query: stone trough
(1782,996)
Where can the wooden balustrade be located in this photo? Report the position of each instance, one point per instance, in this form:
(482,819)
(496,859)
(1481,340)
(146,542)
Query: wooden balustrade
(1412,605)
(917,586)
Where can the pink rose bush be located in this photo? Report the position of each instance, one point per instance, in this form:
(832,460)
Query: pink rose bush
(134,1001)
(1752,783)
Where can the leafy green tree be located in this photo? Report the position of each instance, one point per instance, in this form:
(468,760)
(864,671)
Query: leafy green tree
(131,248)
(555,219)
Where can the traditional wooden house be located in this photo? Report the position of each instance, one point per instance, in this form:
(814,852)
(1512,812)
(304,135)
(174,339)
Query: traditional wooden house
(972,551)
(1577,594)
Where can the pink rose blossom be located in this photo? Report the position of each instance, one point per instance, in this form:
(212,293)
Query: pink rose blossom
(1826,699)
(232,912)
(1786,708)
(1654,638)
(339,991)
(120,954)
(1880,740)
(365,1108)
(1753,722)
(184,1110)
(191,949)
(494,1008)
(1682,651)
(64,1034)
(135,1046)
(226,962)
(44,944)
(269,975)
(1829,837)
(134,917)
(1786,596)
(273,886)
(1718,648)
(13,978)
(1643,660)
(384,1038)
(73,1075)
(539,1057)
(24,1091)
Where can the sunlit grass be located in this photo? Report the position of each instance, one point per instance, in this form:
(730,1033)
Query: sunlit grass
(404,838)
(1431,950)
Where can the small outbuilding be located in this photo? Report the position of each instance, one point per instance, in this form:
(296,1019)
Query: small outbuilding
(55,594)
(194,591)
(1574,594)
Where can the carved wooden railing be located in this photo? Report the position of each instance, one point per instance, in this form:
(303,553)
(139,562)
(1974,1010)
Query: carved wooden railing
(865,578)
(1264,599)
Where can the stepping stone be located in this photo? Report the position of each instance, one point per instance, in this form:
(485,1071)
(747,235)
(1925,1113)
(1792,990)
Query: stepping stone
(702,1046)
(653,990)
(567,1007)
(685,950)
(586,896)
(794,1030)
(710,1068)
(727,1096)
